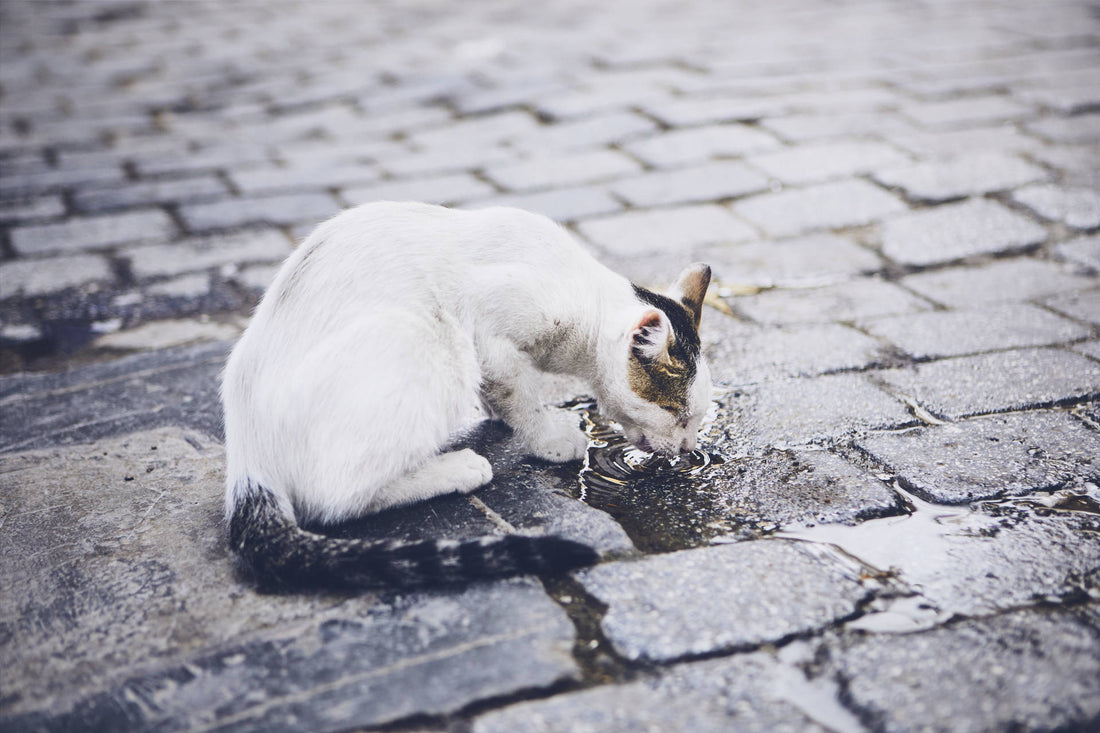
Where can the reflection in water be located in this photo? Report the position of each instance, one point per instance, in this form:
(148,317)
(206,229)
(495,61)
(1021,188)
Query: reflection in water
(661,502)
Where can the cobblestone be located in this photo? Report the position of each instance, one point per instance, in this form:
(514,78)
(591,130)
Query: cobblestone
(846,301)
(42,277)
(997,282)
(997,382)
(281,209)
(677,230)
(647,620)
(825,206)
(816,260)
(696,144)
(710,182)
(881,351)
(565,170)
(819,162)
(962,175)
(92,233)
(990,457)
(1075,207)
(956,231)
(955,333)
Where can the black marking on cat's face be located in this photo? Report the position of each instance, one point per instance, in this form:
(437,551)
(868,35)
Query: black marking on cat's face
(666,381)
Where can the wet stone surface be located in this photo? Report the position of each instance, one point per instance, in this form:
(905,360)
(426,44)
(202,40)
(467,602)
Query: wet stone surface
(892,519)
(147,590)
(1028,670)
(742,595)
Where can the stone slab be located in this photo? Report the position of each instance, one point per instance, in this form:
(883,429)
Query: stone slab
(124,612)
(790,412)
(954,231)
(816,260)
(990,457)
(955,333)
(739,693)
(740,353)
(736,601)
(997,382)
(1017,279)
(962,175)
(93,232)
(823,206)
(696,144)
(676,230)
(1084,306)
(817,162)
(53,274)
(848,301)
(709,182)
(1075,207)
(1085,251)
(1028,670)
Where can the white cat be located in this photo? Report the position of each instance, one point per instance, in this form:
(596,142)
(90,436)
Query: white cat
(368,355)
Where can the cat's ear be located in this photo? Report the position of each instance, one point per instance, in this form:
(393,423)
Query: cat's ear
(690,289)
(650,336)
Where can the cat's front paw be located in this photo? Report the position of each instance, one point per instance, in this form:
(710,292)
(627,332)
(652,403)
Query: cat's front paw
(469,471)
(559,440)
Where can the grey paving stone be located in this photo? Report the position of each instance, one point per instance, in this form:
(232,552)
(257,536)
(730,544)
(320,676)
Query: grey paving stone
(824,206)
(815,260)
(200,253)
(791,487)
(1084,306)
(949,143)
(446,189)
(183,286)
(795,412)
(562,170)
(560,204)
(1068,100)
(848,301)
(740,693)
(148,192)
(180,641)
(844,124)
(696,144)
(30,207)
(816,162)
(440,160)
(93,232)
(481,132)
(302,177)
(673,230)
(743,353)
(101,401)
(961,175)
(50,275)
(990,457)
(1075,207)
(709,182)
(997,282)
(954,333)
(1039,669)
(1092,348)
(586,132)
(1078,165)
(1076,129)
(968,112)
(277,209)
(687,111)
(53,179)
(955,231)
(1085,251)
(647,619)
(997,382)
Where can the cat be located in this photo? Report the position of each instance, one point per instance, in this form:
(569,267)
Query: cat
(370,352)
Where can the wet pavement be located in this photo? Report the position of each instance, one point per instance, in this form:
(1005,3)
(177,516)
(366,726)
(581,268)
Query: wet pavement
(893,521)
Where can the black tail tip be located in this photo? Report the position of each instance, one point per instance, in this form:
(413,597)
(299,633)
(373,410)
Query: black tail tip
(559,555)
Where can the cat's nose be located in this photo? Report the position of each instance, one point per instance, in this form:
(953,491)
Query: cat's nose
(688,445)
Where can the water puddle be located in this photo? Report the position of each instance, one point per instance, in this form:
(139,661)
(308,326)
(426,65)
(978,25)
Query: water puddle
(660,502)
(943,561)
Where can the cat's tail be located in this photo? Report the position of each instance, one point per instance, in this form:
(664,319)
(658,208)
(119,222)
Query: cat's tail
(279,553)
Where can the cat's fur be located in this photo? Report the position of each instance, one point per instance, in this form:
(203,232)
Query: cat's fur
(368,355)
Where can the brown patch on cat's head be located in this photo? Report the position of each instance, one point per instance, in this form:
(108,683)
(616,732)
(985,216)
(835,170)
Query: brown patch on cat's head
(664,351)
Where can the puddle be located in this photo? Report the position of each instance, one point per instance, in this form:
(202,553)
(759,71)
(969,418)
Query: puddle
(662,503)
(959,560)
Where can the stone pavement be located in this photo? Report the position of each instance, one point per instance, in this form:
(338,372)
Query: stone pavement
(901,204)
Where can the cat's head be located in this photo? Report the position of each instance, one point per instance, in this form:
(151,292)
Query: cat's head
(667,383)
